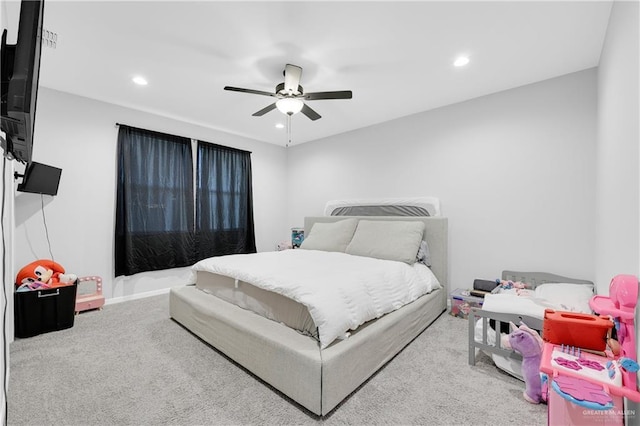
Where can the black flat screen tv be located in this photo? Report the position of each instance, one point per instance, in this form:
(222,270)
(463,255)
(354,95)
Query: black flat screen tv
(40,179)
(20,73)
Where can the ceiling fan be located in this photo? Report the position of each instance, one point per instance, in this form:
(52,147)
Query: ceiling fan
(290,95)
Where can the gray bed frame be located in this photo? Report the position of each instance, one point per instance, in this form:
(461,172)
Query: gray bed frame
(293,363)
(534,279)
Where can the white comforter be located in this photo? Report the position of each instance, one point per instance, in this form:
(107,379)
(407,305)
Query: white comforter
(341,291)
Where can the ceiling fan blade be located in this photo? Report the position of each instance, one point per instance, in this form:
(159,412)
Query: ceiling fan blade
(292,74)
(264,110)
(255,92)
(315,96)
(310,113)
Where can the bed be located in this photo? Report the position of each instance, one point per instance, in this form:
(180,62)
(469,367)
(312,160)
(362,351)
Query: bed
(316,374)
(544,290)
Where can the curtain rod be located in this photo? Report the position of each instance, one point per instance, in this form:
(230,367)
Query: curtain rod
(211,143)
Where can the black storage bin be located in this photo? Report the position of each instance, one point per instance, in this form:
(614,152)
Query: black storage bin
(42,311)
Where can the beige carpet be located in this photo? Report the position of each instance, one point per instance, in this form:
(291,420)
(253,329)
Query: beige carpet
(130,364)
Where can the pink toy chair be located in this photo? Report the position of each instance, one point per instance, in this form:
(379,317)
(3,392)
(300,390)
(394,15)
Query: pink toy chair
(85,302)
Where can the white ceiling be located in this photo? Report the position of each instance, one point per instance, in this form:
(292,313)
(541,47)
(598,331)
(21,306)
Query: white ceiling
(396,57)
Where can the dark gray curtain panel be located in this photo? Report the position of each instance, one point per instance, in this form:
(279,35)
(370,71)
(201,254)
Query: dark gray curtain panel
(224,202)
(154,207)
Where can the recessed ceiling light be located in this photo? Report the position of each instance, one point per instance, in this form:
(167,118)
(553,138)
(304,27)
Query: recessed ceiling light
(461,61)
(279,126)
(140,81)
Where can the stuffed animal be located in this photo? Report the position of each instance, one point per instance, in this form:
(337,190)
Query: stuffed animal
(528,343)
(44,271)
(508,284)
(34,285)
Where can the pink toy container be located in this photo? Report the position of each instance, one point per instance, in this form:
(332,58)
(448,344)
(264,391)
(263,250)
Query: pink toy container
(576,329)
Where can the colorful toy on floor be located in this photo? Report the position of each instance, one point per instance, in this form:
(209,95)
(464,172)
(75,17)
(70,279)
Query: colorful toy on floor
(528,343)
(587,388)
(85,302)
(508,284)
(581,386)
(45,271)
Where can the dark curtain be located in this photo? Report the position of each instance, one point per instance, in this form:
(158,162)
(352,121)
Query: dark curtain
(154,207)
(224,204)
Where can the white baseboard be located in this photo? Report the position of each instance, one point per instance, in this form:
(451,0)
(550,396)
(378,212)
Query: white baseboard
(136,296)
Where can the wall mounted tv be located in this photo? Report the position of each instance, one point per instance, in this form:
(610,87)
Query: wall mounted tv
(20,65)
(40,179)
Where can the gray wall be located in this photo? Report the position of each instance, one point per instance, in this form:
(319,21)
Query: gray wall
(514,172)
(618,180)
(79,135)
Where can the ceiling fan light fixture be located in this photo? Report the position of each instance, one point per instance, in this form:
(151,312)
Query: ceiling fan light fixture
(289,106)
(140,81)
(461,61)
(289,95)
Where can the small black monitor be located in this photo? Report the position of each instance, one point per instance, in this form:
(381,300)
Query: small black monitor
(40,179)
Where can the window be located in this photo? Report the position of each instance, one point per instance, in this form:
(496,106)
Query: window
(156,206)
(224,206)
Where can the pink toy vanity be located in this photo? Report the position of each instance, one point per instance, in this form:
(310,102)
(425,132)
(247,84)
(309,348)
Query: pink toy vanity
(584,388)
(85,302)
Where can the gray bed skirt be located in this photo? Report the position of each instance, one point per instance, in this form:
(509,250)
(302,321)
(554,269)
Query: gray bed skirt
(293,363)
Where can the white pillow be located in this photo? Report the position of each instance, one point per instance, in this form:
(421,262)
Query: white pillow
(330,236)
(390,240)
(571,297)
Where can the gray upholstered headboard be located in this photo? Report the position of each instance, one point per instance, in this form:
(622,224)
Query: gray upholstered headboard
(435,234)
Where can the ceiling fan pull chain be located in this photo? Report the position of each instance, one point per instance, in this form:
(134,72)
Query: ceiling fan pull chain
(288,130)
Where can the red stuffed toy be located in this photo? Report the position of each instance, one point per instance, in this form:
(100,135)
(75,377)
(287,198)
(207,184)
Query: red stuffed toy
(45,271)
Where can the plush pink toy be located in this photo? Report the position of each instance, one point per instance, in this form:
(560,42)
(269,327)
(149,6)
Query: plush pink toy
(508,284)
(528,343)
